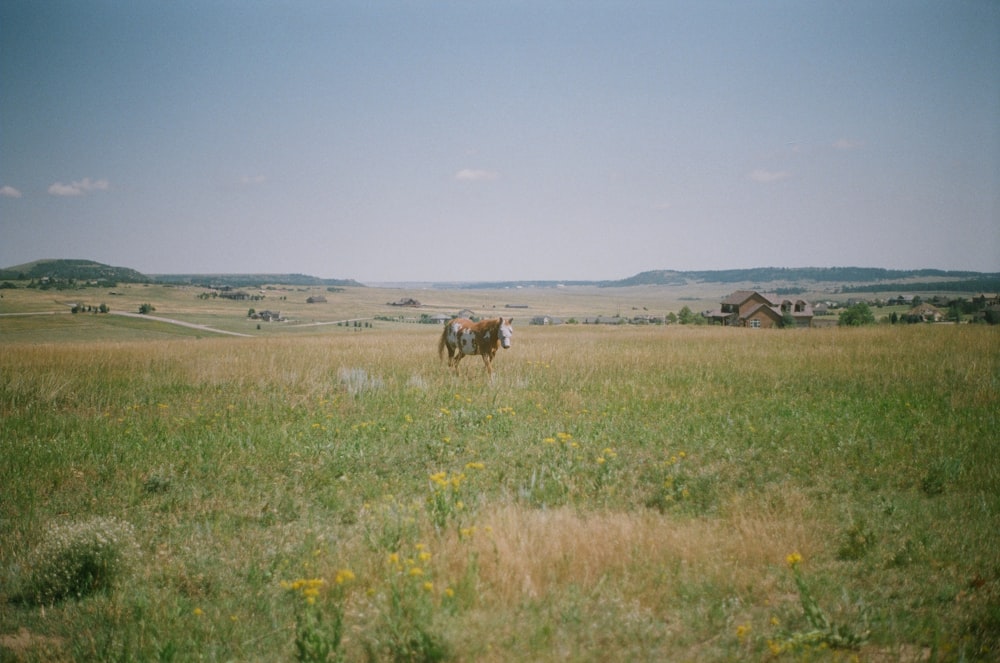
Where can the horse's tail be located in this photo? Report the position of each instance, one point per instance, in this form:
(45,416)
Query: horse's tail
(443,343)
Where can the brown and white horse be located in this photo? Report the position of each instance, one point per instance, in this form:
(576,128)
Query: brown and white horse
(464,337)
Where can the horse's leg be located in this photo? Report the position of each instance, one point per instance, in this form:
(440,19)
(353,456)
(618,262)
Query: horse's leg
(458,358)
(489,364)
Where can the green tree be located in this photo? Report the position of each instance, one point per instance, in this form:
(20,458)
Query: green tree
(686,316)
(856,316)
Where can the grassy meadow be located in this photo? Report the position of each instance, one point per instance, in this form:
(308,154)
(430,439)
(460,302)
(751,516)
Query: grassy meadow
(614,494)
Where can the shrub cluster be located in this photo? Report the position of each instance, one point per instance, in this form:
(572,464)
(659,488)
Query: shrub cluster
(77,559)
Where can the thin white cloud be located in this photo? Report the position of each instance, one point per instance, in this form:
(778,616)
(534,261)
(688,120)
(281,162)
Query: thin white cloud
(253,180)
(472,175)
(7,191)
(768,176)
(78,187)
(848,144)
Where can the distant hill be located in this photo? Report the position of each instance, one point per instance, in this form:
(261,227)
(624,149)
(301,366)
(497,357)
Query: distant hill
(251,280)
(72,270)
(847,279)
(792,274)
(84,271)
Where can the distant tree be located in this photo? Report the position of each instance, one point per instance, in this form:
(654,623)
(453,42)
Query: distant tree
(672,318)
(788,320)
(856,316)
(104,308)
(686,316)
(146,308)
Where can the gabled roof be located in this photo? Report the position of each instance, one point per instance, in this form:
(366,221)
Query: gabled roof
(772,312)
(739,297)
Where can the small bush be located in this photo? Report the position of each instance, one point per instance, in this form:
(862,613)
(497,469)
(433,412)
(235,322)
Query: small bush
(856,542)
(941,473)
(77,559)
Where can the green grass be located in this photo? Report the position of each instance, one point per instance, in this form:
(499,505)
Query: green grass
(614,494)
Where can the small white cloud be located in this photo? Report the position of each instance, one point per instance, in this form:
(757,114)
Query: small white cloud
(254,180)
(472,175)
(848,144)
(78,188)
(767,176)
(9,192)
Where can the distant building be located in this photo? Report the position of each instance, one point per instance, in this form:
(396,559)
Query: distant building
(926,313)
(749,308)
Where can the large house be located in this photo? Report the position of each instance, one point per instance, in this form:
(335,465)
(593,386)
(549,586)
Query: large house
(749,308)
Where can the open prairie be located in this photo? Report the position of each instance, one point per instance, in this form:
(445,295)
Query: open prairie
(615,493)
(197,305)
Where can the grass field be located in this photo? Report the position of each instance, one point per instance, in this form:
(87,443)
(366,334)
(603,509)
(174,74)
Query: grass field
(616,493)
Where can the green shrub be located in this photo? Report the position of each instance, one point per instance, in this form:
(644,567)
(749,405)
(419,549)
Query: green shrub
(77,559)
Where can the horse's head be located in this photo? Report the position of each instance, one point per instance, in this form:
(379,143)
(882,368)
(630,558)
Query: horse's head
(506,331)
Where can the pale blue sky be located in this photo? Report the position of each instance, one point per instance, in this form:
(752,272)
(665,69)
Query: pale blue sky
(387,141)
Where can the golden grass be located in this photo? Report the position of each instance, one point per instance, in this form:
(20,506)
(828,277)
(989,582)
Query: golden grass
(527,553)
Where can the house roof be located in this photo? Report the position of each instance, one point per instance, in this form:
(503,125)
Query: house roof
(926,308)
(771,312)
(739,297)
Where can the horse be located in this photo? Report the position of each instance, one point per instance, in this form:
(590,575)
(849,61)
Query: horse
(464,337)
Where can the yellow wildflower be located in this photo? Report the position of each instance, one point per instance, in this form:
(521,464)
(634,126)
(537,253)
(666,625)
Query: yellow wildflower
(793,559)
